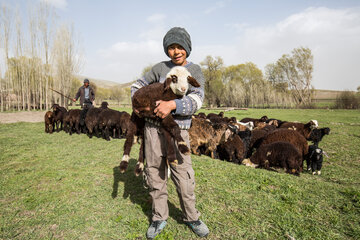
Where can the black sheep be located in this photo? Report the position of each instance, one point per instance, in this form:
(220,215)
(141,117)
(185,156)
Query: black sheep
(59,114)
(317,134)
(314,159)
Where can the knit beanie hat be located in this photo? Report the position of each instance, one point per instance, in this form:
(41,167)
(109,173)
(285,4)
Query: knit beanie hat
(180,36)
(86,80)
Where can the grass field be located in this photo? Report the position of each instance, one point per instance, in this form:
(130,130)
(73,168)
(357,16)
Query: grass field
(69,187)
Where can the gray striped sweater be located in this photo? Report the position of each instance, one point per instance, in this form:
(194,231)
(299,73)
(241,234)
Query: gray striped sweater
(188,104)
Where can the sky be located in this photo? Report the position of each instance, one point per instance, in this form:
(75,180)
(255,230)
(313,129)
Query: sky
(119,39)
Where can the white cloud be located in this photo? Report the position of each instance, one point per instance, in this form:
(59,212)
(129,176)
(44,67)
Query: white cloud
(333,35)
(56,3)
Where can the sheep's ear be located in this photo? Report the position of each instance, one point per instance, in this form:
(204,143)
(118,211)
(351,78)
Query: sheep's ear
(167,84)
(192,81)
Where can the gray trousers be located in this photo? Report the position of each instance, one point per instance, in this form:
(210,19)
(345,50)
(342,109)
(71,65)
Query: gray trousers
(182,175)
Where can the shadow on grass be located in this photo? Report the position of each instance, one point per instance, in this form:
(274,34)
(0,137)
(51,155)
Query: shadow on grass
(135,190)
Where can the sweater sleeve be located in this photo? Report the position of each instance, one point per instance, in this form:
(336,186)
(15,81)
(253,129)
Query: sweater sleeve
(192,102)
(149,77)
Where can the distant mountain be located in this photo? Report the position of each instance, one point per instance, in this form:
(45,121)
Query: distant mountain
(105,83)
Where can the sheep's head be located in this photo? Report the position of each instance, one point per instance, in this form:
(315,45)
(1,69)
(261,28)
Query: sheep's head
(55,107)
(314,124)
(104,105)
(264,118)
(178,80)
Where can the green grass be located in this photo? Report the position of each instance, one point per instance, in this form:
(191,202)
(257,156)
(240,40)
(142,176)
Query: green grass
(68,187)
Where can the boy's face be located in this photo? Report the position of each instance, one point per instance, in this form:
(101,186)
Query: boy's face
(177,54)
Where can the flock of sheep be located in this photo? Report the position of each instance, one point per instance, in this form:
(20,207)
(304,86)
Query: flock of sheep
(264,143)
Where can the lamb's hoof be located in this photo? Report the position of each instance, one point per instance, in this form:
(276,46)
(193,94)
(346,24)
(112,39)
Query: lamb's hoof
(174,163)
(183,148)
(139,169)
(123,166)
(319,172)
(309,169)
(124,163)
(313,173)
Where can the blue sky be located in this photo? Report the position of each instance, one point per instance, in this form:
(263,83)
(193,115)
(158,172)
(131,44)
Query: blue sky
(120,38)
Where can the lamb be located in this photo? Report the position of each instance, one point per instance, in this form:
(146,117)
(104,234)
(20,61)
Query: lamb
(204,134)
(291,136)
(254,120)
(236,147)
(215,118)
(73,121)
(111,120)
(92,119)
(317,134)
(314,159)
(248,125)
(257,136)
(286,135)
(144,100)
(49,122)
(200,115)
(59,116)
(276,122)
(302,128)
(278,154)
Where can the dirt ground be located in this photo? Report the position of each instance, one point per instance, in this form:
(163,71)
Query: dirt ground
(37,116)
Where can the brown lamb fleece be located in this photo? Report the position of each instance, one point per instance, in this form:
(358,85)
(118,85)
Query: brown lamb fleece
(278,154)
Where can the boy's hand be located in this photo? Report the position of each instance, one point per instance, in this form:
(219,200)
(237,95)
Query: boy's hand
(163,108)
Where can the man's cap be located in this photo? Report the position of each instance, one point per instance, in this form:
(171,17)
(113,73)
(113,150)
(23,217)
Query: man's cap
(180,36)
(86,80)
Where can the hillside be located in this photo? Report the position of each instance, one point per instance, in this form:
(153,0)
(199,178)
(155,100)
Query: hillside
(326,94)
(105,83)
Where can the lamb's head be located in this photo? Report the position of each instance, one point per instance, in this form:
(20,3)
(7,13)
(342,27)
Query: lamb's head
(314,124)
(178,80)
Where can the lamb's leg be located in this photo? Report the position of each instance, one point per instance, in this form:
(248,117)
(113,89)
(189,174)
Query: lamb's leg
(57,126)
(171,151)
(70,127)
(77,127)
(139,168)
(107,134)
(127,148)
(171,126)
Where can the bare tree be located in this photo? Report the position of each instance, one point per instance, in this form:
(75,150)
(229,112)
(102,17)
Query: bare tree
(46,15)
(67,59)
(297,70)
(6,19)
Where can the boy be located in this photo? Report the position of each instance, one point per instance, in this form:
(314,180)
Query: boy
(177,46)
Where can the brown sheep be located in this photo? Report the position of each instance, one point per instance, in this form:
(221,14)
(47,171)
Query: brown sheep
(286,135)
(59,114)
(257,122)
(236,147)
(203,133)
(304,129)
(49,122)
(278,154)
(257,136)
(92,119)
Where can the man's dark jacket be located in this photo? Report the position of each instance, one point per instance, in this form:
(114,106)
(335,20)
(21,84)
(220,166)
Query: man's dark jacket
(81,94)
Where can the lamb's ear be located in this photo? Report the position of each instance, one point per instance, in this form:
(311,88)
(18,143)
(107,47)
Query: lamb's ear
(167,84)
(192,81)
